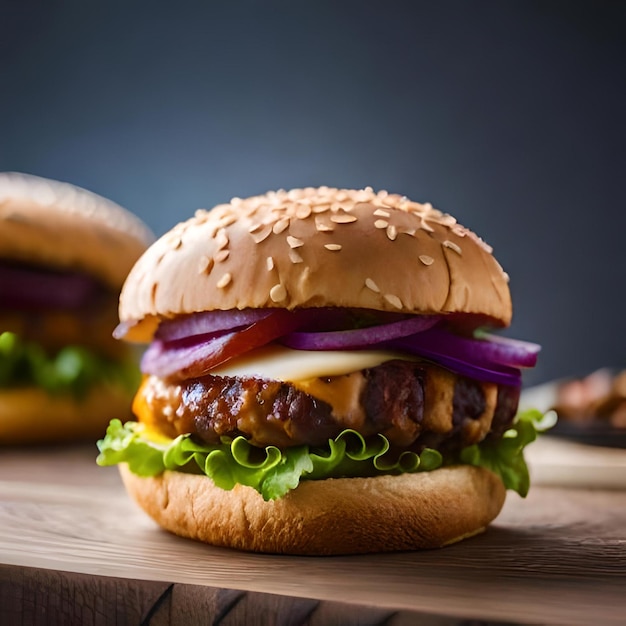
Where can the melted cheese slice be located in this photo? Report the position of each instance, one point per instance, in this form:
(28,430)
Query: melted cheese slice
(281,363)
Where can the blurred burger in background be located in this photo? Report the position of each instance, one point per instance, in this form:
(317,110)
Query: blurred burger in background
(64,254)
(320,377)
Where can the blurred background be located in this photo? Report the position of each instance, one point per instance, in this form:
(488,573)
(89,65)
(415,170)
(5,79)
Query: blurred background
(508,114)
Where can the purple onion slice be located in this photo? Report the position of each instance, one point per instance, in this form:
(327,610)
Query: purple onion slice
(208,322)
(29,288)
(491,350)
(359,338)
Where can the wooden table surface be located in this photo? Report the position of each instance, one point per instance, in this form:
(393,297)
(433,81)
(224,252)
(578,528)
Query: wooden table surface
(75,550)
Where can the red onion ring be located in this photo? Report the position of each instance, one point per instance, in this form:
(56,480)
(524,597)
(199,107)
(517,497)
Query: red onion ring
(487,352)
(506,350)
(494,373)
(313,319)
(359,338)
(208,322)
(30,288)
(183,359)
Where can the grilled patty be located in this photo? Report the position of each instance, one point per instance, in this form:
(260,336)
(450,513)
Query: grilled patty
(414,404)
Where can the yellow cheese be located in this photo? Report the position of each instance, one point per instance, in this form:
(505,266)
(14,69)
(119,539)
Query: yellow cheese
(142,407)
(281,363)
(343,393)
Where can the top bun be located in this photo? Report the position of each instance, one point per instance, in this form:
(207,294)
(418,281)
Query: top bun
(65,227)
(316,247)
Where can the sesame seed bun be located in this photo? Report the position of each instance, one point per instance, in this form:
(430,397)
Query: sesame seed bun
(333,516)
(61,226)
(313,248)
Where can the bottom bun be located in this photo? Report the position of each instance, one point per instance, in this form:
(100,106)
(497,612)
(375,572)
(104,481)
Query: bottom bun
(32,416)
(333,516)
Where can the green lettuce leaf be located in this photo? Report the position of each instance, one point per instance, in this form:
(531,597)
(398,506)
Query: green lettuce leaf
(274,472)
(73,369)
(271,471)
(505,457)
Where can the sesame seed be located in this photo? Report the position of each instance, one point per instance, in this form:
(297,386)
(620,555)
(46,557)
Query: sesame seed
(370,284)
(342,218)
(452,246)
(228,220)
(447,220)
(426,260)
(294,242)
(224,281)
(332,246)
(382,213)
(269,262)
(280,225)
(294,256)
(222,255)
(413,207)
(392,232)
(255,227)
(392,200)
(322,227)
(175,242)
(278,293)
(303,211)
(222,239)
(459,230)
(425,226)
(393,300)
(363,195)
(484,245)
(262,234)
(381,224)
(321,208)
(205,265)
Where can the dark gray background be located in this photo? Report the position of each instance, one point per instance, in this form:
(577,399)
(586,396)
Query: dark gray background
(509,115)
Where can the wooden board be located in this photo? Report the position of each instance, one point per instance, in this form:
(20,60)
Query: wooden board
(571,463)
(559,462)
(73,546)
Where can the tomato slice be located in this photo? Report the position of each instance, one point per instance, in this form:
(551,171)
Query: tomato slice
(180,360)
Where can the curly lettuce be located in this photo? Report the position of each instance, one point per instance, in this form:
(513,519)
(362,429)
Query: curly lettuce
(73,369)
(505,456)
(274,472)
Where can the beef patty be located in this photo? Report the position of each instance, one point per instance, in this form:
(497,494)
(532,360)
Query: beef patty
(414,404)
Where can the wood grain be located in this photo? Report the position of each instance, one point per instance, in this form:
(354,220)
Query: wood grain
(67,527)
(39,597)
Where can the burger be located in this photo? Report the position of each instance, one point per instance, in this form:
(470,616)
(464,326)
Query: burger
(322,376)
(64,255)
